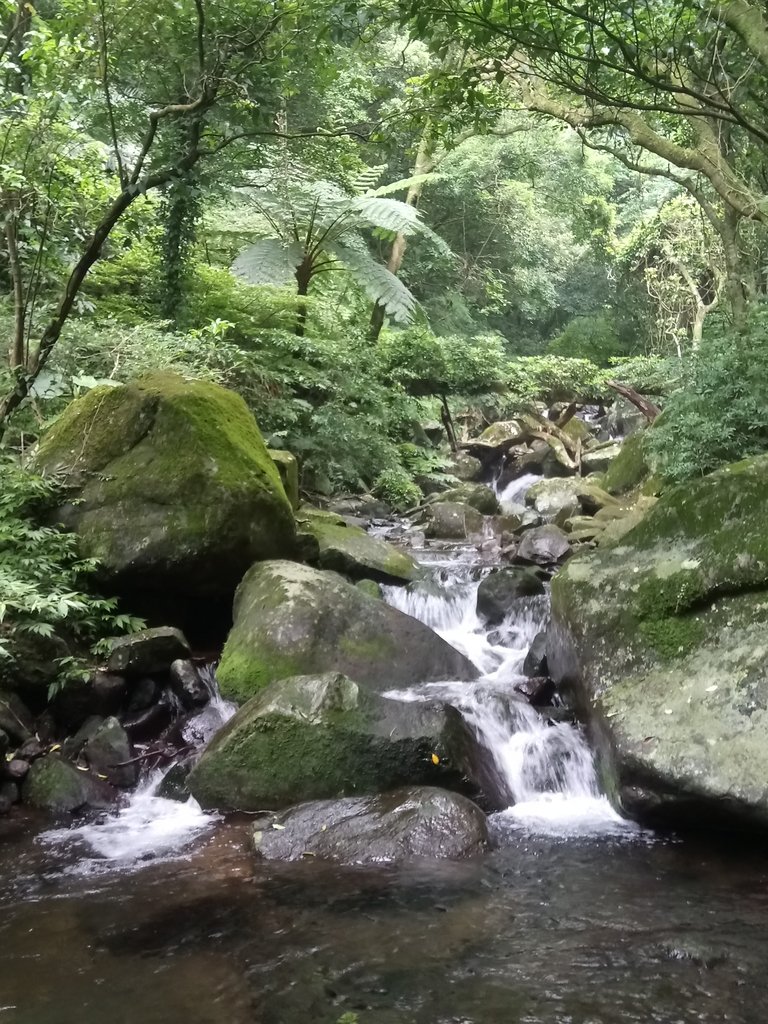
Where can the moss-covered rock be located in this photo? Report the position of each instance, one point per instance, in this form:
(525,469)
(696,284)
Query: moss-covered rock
(629,469)
(663,639)
(504,432)
(288,468)
(477,496)
(453,520)
(331,544)
(291,619)
(54,784)
(312,737)
(173,488)
(421,822)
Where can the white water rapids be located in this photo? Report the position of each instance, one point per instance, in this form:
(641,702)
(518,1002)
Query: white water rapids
(546,771)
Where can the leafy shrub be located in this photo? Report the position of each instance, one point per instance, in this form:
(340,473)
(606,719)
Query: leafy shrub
(589,337)
(43,580)
(554,379)
(719,414)
(396,487)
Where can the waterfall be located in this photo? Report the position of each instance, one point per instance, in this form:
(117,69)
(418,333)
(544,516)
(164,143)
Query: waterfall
(147,825)
(545,772)
(513,494)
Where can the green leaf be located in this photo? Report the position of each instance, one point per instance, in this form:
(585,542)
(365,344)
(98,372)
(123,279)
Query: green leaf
(269,261)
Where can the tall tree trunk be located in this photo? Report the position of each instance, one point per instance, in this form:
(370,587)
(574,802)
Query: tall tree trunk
(303,277)
(16,352)
(736,282)
(425,162)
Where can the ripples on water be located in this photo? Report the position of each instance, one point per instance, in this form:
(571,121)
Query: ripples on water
(575,918)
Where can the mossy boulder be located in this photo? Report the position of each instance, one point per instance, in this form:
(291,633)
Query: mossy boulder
(477,496)
(288,467)
(173,489)
(53,784)
(663,640)
(503,432)
(453,520)
(290,619)
(629,469)
(420,822)
(331,544)
(312,737)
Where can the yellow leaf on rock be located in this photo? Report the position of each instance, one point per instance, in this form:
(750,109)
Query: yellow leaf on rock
(435,759)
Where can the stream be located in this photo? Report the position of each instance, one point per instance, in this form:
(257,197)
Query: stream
(160,912)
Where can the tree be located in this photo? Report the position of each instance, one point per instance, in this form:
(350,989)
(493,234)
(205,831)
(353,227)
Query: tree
(318,227)
(682,80)
(131,81)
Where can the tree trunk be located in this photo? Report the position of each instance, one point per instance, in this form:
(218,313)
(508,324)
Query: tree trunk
(16,353)
(735,284)
(303,277)
(425,162)
(445,414)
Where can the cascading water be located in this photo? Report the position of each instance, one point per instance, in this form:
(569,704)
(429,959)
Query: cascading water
(512,495)
(147,825)
(545,771)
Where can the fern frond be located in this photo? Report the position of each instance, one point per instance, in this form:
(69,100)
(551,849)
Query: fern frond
(379,284)
(268,261)
(388,214)
(404,184)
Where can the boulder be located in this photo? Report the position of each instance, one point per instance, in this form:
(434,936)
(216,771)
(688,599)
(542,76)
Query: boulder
(555,495)
(15,719)
(662,640)
(187,684)
(101,693)
(288,468)
(465,467)
(290,619)
(146,652)
(504,432)
(53,784)
(535,664)
(312,737)
(498,591)
(453,520)
(477,496)
(599,459)
(332,544)
(385,829)
(544,545)
(629,469)
(173,490)
(106,751)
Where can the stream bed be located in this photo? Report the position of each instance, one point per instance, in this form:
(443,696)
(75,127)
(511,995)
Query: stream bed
(161,913)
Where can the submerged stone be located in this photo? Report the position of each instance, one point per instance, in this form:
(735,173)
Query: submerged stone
(385,829)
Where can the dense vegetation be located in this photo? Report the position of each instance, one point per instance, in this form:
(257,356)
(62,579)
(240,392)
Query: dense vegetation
(365,217)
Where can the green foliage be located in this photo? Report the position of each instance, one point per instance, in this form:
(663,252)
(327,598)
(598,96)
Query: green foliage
(43,581)
(425,364)
(554,379)
(396,487)
(589,337)
(719,414)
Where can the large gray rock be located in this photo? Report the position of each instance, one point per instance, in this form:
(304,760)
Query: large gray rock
(478,496)
(498,591)
(290,619)
(390,828)
(173,489)
(108,751)
(663,642)
(453,520)
(544,545)
(330,543)
(151,650)
(325,736)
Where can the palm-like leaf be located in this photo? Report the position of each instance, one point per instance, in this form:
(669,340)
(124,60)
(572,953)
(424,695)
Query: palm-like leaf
(389,214)
(269,261)
(379,284)
(404,184)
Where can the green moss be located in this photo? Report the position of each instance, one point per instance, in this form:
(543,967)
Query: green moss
(353,552)
(244,669)
(628,469)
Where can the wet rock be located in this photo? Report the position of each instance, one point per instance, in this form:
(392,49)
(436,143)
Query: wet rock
(16,770)
(465,467)
(535,663)
(369,587)
(312,737)
(5,803)
(477,496)
(99,694)
(187,684)
(331,544)
(360,506)
(143,694)
(147,652)
(663,640)
(56,785)
(554,496)
(31,749)
(290,620)
(544,545)
(109,690)
(538,691)
(385,829)
(107,749)
(173,489)
(500,588)
(599,460)
(15,718)
(9,792)
(174,785)
(147,724)
(453,520)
